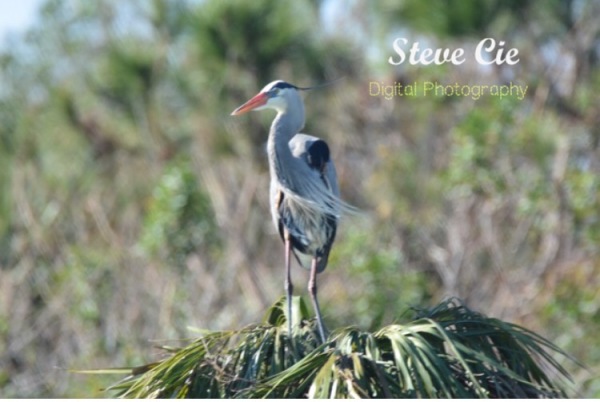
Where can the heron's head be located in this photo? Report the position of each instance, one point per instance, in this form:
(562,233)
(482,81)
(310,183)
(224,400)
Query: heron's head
(277,95)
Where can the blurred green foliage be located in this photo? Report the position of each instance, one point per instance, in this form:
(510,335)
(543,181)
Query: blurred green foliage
(453,17)
(132,205)
(179,220)
(378,281)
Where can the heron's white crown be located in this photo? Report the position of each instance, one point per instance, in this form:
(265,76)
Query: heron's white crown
(279,93)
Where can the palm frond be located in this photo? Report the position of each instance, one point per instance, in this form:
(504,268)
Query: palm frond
(448,351)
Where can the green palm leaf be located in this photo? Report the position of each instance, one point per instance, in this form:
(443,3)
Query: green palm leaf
(448,351)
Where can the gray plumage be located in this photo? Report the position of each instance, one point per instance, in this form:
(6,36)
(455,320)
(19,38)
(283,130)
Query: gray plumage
(304,194)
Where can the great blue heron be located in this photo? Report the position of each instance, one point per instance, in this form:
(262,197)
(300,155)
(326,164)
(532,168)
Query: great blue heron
(304,194)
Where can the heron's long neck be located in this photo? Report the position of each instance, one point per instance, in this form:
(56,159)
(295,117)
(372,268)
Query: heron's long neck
(284,127)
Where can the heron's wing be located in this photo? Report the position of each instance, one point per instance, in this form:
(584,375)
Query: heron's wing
(315,152)
(315,157)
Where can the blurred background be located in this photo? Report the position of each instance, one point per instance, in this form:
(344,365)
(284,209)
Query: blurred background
(132,206)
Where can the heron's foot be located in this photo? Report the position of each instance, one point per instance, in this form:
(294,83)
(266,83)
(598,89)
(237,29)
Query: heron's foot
(323,333)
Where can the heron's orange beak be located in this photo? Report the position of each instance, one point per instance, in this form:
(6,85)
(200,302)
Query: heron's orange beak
(258,100)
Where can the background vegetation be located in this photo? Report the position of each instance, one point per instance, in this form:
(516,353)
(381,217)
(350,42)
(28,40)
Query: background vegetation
(132,205)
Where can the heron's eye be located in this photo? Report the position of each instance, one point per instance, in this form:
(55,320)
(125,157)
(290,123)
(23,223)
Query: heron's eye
(275,91)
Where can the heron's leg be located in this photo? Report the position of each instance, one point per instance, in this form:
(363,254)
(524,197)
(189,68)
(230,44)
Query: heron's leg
(312,290)
(289,288)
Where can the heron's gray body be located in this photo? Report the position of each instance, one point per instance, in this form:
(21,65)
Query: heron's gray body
(311,229)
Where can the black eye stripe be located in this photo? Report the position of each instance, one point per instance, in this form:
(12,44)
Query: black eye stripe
(283,85)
